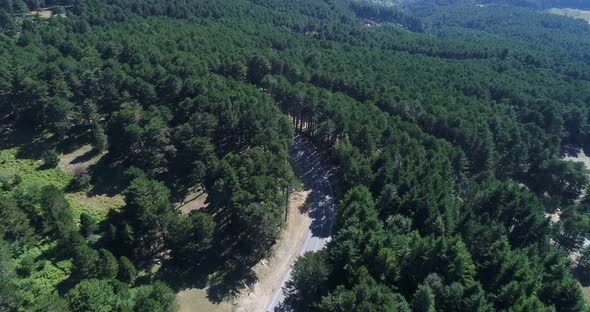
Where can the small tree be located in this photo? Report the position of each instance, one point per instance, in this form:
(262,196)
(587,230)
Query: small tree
(50,158)
(258,67)
(423,300)
(58,10)
(56,212)
(127,271)
(107,264)
(91,295)
(87,225)
(584,262)
(98,137)
(309,280)
(86,261)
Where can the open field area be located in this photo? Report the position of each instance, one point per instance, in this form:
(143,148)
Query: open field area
(194,201)
(581,157)
(191,300)
(575,13)
(33,174)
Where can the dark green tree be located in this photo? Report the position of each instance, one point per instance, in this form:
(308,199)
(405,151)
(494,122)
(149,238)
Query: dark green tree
(191,236)
(309,281)
(148,211)
(424,300)
(50,158)
(127,271)
(87,225)
(91,295)
(107,265)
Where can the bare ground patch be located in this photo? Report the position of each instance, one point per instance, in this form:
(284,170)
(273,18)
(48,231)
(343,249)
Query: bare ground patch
(99,204)
(45,13)
(191,300)
(193,202)
(79,160)
(580,157)
(574,13)
(586,292)
(270,272)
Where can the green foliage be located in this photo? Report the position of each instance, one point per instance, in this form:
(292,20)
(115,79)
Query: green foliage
(107,264)
(87,225)
(430,122)
(86,261)
(192,236)
(366,295)
(127,271)
(91,295)
(8,290)
(423,300)
(564,180)
(14,222)
(50,158)
(309,281)
(56,212)
(157,296)
(148,210)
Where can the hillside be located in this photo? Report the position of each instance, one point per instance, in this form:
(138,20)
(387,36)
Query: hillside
(444,127)
(574,13)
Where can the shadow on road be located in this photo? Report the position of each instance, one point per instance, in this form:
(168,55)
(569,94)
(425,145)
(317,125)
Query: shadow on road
(306,166)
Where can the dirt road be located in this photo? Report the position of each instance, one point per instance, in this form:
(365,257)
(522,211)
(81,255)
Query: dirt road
(271,272)
(321,204)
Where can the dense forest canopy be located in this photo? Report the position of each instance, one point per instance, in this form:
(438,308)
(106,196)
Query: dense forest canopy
(533,4)
(445,123)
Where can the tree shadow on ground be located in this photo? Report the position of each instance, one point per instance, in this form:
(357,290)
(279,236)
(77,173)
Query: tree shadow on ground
(283,308)
(180,278)
(71,143)
(584,279)
(230,280)
(223,276)
(570,150)
(85,157)
(11,137)
(224,271)
(107,177)
(32,143)
(308,168)
(34,147)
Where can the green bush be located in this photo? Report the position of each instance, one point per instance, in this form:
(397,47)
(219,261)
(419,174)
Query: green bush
(50,158)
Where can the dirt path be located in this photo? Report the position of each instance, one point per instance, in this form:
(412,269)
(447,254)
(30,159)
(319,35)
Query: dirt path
(270,272)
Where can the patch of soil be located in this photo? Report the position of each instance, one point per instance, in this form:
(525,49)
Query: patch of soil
(270,272)
(42,13)
(196,203)
(100,202)
(79,160)
(195,299)
(580,157)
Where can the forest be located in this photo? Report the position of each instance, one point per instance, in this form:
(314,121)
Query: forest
(446,125)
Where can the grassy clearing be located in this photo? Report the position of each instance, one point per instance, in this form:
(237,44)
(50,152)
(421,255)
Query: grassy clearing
(45,275)
(32,174)
(96,206)
(30,171)
(196,300)
(574,13)
(194,201)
